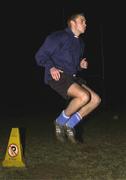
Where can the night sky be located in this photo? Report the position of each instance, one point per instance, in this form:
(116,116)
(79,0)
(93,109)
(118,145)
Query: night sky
(24,28)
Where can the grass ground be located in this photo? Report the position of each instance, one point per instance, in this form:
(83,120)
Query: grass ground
(102,155)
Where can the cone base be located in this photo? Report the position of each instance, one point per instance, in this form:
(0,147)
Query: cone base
(8,163)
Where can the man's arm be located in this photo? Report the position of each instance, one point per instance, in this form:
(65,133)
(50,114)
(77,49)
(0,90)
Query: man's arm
(43,55)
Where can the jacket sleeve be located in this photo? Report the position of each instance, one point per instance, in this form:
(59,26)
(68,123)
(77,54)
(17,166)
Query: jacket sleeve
(43,55)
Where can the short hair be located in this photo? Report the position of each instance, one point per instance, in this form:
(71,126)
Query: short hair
(73,17)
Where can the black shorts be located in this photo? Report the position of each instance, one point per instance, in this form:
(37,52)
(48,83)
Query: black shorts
(62,85)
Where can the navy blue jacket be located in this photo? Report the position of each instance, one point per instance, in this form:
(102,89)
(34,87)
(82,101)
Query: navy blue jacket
(62,50)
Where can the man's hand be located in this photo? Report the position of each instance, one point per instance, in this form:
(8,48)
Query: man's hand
(84,63)
(55,73)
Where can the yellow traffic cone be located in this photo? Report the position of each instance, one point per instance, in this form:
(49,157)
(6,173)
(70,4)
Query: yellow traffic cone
(14,153)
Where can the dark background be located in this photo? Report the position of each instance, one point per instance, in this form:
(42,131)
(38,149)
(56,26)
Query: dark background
(25,26)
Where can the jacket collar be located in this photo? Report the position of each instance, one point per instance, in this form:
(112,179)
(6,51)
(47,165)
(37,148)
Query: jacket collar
(68,30)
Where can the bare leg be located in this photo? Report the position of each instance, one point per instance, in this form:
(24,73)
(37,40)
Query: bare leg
(84,100)
(89,107)
(80,97)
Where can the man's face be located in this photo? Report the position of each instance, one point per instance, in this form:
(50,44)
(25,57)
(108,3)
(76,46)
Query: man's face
(80,24)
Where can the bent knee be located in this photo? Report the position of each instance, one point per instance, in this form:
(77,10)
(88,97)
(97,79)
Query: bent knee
(96,99)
